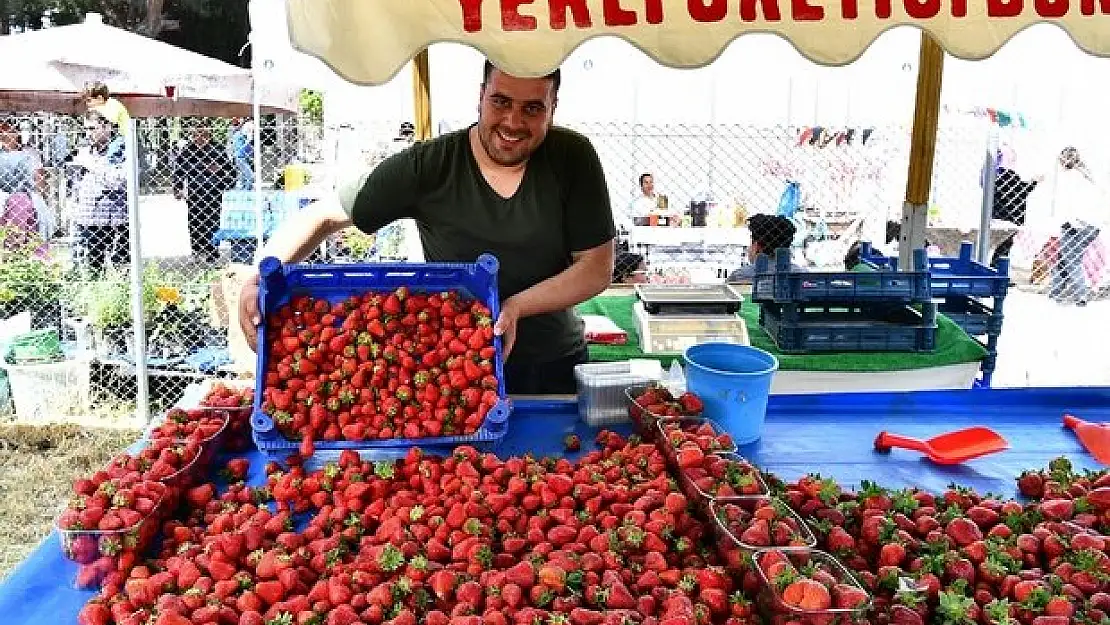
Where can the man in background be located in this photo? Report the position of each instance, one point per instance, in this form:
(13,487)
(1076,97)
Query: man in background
(202,172)
(770,233)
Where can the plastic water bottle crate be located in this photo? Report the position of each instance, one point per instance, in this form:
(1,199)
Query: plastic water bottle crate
(777,284)
(280,283)
(952,276)
(820,328)
(974,317)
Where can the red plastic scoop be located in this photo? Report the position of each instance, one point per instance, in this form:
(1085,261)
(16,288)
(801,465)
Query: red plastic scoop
(1094,436)
(949,448)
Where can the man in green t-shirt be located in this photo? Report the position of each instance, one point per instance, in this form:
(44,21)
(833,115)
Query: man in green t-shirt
(512,185)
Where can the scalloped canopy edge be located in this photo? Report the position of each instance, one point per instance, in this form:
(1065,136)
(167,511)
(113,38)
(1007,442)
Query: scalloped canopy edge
(367,42)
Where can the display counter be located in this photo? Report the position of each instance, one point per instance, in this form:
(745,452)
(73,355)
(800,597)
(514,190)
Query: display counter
(830,435)
(952,366)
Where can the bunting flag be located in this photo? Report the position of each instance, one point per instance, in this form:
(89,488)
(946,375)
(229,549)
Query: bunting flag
(822,137)
(1002,119)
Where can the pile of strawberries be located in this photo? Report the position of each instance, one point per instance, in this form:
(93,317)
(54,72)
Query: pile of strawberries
(633,532)
(468,539)
(379,366)
(960,557)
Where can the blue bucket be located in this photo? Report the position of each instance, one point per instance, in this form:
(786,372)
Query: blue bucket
(734,382)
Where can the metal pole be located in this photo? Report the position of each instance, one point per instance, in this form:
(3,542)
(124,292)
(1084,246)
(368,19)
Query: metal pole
(259,213)
(990,164)
(131,147)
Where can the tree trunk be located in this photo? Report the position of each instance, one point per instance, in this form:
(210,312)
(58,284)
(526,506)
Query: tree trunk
(154,12)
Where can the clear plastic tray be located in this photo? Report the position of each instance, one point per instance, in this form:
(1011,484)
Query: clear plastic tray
(98,551)
(601,391)
(643,419)
(770,596)
(679,429)
(692,479)
(211,444)
(733,518)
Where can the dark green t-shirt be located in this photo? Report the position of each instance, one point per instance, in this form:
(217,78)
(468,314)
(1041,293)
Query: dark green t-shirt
(562,206)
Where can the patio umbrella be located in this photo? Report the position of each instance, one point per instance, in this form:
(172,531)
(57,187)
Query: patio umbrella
(45,70)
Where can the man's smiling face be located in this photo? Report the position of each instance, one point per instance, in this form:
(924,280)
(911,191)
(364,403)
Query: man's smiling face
(514,116)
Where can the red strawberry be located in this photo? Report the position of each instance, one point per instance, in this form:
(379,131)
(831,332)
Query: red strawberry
(94,613)
(572,443)
(963,531)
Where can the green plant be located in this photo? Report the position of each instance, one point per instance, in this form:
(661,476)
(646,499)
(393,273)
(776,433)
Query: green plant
(28,275)
(357,243)
(312,106)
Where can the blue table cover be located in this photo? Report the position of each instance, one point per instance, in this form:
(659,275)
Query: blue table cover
(828,434)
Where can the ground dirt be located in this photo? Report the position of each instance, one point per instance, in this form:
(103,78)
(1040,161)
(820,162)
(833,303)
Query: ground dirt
(37,467)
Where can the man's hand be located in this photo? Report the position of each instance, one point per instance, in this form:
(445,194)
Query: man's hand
(506,326)
(249,315)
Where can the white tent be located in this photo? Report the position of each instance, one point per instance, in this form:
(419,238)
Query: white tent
(45,70)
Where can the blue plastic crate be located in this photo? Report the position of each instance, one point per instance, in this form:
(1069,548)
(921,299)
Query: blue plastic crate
(974,317)
(779,285)
(821,328)
(279,283)
(952,276)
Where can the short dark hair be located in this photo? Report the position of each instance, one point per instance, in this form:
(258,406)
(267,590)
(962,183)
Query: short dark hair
(642,176)
(556,77)
(771,232)
(96,90)
(854,256)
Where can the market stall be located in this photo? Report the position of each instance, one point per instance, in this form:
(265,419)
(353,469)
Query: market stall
(621,531)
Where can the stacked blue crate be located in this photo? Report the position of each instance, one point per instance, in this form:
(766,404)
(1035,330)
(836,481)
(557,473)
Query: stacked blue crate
(961,286)
(814,312)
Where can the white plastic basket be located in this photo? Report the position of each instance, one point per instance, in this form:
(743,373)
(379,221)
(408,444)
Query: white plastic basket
(601,385)
(44,392)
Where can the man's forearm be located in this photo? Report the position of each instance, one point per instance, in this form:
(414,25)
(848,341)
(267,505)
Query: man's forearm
(297,238)
(579,282)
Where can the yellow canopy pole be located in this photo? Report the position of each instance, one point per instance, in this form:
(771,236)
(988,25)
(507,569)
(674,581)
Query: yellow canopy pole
(422,96)
(923,143)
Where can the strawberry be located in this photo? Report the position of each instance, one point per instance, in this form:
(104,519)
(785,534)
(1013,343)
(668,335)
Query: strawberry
(807,594)
(94,613)
(963,531)
(691,404)
(571,443)
(1057,509)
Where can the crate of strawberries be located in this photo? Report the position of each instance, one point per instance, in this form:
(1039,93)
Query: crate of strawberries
(378,358)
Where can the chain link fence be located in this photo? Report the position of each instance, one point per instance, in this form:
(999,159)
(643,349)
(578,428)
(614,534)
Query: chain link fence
(692,203)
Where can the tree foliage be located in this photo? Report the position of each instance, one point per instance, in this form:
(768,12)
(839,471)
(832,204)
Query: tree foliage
(215,28)
(312,106)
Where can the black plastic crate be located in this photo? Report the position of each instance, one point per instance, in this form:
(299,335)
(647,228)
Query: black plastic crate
(820,328)
(961,275)
(777,284)
(973,316)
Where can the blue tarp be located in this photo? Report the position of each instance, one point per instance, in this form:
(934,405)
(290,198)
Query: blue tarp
(829,434)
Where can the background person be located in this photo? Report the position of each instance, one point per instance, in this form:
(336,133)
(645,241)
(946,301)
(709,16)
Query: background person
(202,172)
(770,233)
(1080,211)
(101,218)
(99,99)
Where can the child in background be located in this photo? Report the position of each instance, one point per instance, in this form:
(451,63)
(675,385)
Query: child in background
(99,99)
